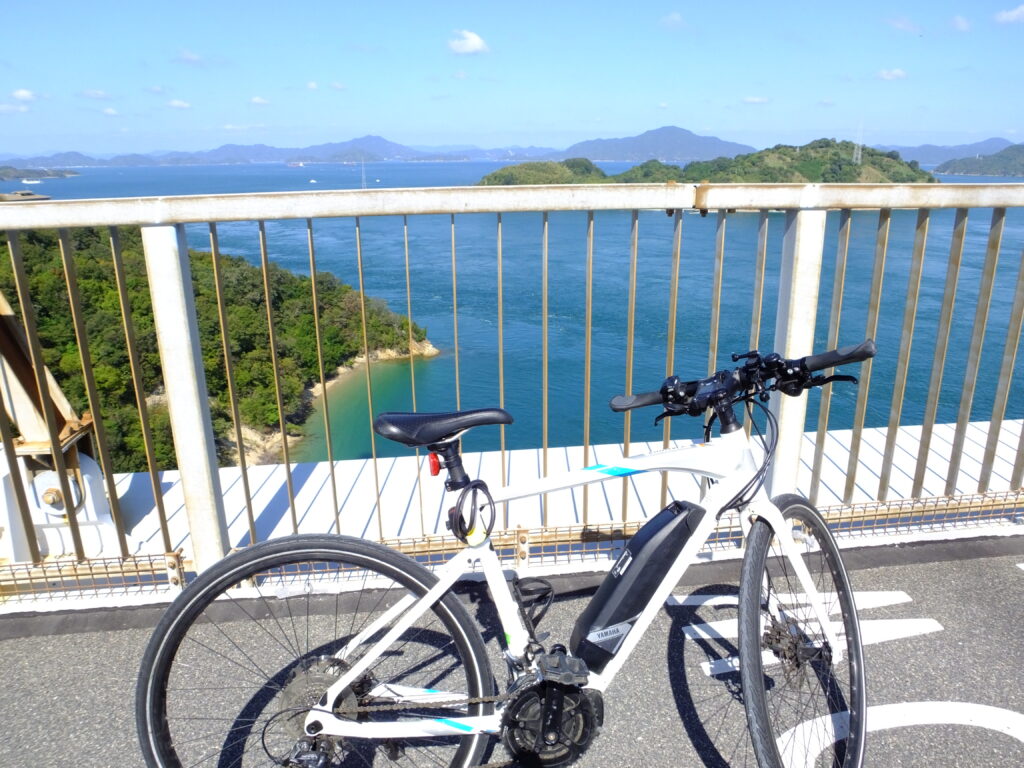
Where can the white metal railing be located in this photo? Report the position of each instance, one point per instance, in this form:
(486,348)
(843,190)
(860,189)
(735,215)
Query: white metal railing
(801,262)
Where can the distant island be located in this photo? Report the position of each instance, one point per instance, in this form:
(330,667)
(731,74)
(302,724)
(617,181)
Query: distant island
(1008,162)
(10,173)
(931,154)
(823,160)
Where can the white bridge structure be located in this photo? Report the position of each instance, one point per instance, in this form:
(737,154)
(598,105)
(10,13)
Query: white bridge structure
(72,522)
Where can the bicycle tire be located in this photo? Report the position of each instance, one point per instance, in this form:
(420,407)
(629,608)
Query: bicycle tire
(803,708)
(244,652)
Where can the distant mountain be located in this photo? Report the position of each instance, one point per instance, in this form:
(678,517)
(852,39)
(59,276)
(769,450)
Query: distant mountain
(1008,162)
(823,160)
(668,144)
(932,154)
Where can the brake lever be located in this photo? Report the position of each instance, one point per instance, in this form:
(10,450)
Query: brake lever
(820,381)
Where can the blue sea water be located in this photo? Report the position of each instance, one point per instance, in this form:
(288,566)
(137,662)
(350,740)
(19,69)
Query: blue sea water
(476,293)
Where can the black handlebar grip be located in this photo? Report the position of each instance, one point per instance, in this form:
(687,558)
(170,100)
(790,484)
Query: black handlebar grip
(853,354)
(628,402)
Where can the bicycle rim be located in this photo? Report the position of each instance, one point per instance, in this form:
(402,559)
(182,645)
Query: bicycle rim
(251,646)
(805,701)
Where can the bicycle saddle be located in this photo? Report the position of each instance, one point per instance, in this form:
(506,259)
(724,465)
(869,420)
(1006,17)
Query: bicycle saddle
(416,429)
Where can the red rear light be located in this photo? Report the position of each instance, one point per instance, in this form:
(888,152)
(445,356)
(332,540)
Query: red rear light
(435,464)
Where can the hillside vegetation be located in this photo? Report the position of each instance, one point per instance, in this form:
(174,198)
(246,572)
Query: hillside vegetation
(242,284)
(1008,162)
(821,161)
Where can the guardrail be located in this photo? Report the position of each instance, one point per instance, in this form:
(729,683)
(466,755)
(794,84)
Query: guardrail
(802,272)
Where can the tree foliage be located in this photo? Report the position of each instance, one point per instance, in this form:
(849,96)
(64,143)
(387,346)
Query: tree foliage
(246,311)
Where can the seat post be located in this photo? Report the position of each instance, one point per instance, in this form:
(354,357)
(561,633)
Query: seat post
(451,459)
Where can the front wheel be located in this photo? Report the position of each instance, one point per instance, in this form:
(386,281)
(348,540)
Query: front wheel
(251,646)
(805,700)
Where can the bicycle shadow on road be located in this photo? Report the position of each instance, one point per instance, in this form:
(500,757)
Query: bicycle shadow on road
(710,707)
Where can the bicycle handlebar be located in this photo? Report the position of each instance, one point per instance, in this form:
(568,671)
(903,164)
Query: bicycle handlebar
(791,377)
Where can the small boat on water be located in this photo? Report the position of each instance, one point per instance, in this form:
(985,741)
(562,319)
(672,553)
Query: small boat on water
(30,181)
(20,195)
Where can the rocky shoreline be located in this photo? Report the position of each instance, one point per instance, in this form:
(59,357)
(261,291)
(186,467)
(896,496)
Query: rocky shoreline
(265,447)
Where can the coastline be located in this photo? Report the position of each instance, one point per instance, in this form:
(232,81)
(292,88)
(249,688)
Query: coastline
(265,447)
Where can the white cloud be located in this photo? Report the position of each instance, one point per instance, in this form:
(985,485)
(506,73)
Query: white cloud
(468,42)
(339,86)
(259,100)
(826,103)
(233,127)
(23,94)
(157,89)
(179,104)
(905,25)
(960,24)
(111,111)
(92,93)
(460,75)
(892,74)
(1011,16)
(674,19)
(190,57)
(311,85)
(755,100)
(11,108)
(662,105)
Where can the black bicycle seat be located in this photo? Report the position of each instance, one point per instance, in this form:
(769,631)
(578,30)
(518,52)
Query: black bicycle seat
(416,429)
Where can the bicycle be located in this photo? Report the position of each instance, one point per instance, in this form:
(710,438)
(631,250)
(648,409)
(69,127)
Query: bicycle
(324,650)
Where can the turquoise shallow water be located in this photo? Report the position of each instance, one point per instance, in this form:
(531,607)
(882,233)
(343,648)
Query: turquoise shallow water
(430,255)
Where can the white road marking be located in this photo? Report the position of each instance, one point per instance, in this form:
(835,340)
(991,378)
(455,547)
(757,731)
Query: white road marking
(810,738)
(864,600)
(872,631)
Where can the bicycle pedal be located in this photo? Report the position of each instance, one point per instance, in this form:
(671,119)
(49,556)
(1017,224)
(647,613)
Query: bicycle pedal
(557,667)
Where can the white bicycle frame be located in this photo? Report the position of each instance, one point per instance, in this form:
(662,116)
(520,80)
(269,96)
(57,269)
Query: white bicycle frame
(728,460)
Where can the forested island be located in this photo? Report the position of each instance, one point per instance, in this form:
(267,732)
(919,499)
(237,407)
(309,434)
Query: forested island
(10,173)
(1007,162)
(823,160)
(242,284)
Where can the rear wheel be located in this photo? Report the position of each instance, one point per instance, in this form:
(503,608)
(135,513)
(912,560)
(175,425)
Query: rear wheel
(805,700)
(251,646)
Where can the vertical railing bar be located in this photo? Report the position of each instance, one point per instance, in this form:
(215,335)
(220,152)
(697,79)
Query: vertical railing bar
(874,310)
(956,254)
(588,336)
(229,376)
(21,500)
(544,359)
(28,319)
(265,265)
(634,239)
(988,276)
(92,395)
(670,333)
(1003,381)
(412,367)
(758,301)
(455,320)
(501,362)
(906,341)
(835,314)
(366,355)
(716,293)
(315,298)
(1017,476)
(138,385)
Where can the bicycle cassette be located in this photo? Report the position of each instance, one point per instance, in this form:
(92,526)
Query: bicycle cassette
(551,724)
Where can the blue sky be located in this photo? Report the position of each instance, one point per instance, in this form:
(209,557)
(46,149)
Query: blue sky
(109,77)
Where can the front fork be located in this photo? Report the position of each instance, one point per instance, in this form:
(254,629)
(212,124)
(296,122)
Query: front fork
(764,509)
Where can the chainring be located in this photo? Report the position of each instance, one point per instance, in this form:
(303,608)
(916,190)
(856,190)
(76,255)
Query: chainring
(523,721)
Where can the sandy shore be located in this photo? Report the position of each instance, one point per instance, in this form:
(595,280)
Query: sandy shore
(265,447)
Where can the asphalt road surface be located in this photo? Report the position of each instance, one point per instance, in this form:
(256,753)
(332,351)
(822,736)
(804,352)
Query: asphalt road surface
(944,633)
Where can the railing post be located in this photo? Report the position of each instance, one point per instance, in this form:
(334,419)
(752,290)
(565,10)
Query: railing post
(177,332)
(803,244)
